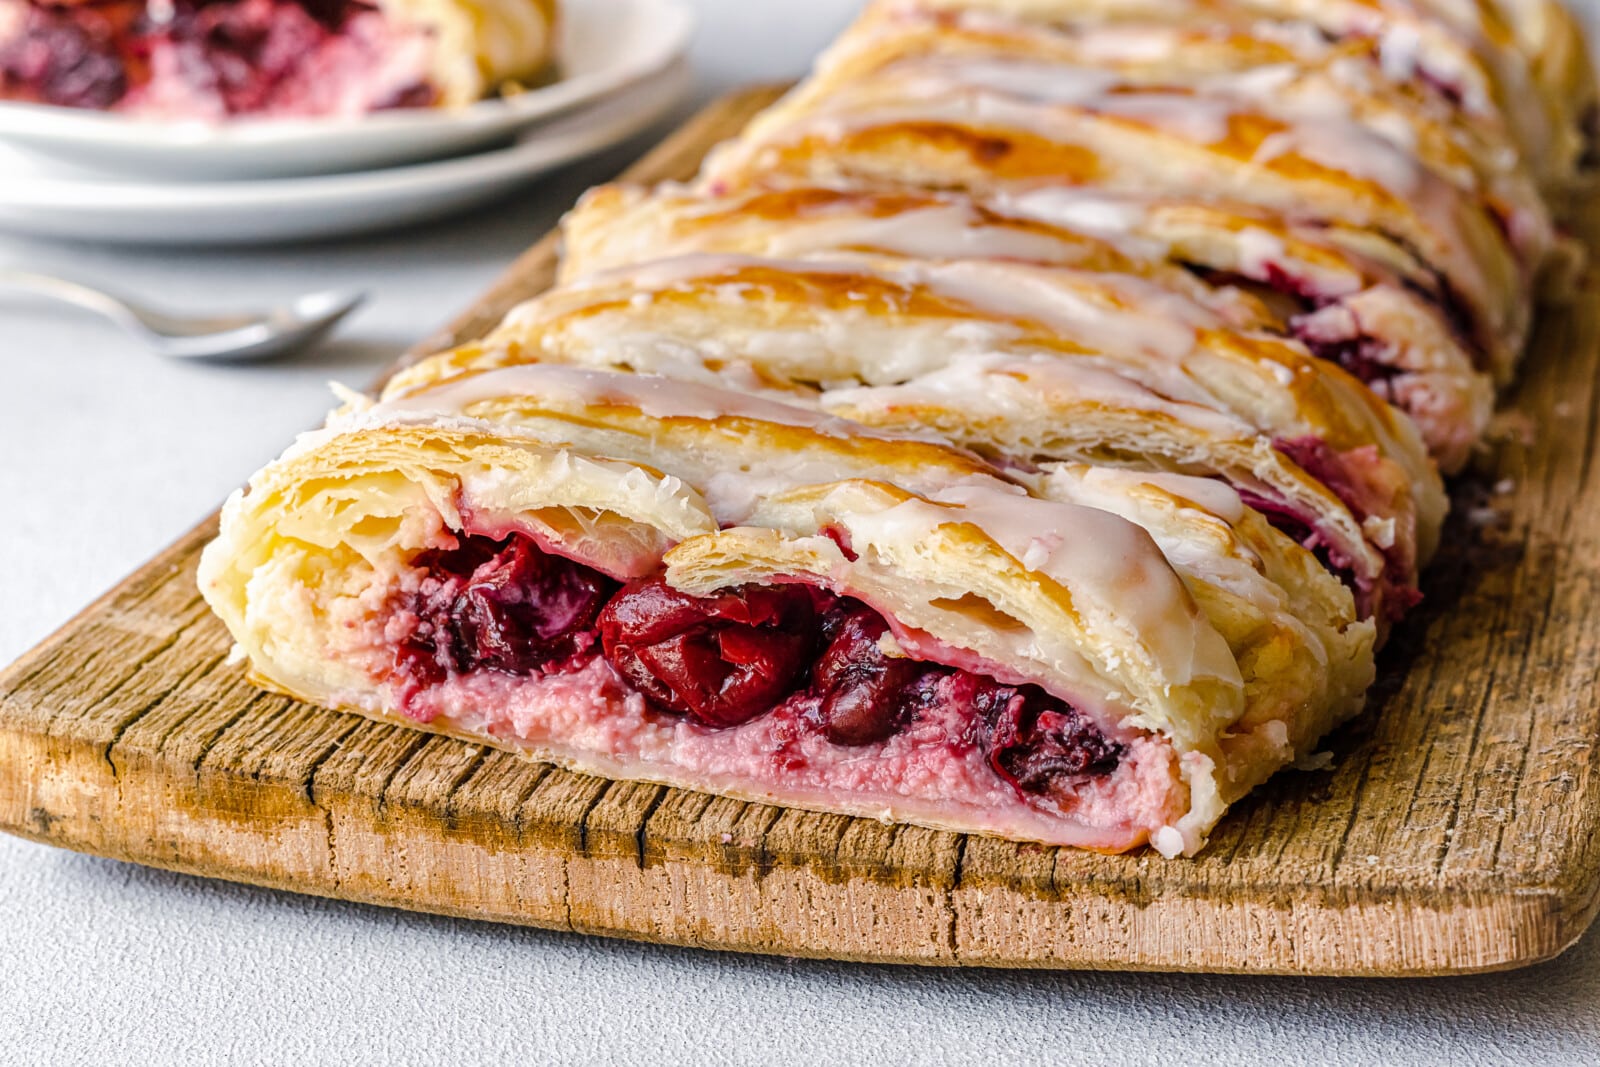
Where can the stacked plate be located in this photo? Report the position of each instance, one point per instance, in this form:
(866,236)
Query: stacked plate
(98,176)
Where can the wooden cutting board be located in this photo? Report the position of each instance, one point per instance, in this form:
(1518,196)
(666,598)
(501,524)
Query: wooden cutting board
(1455,830)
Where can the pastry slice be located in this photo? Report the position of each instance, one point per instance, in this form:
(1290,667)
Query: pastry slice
(620,225)
(569,458)
(213,60)
(1344,469)
(663,582)
(1392,330)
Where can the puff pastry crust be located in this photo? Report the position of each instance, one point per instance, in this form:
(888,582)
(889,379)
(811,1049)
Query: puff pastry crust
(1032,425)
(1380,315)
(1027,364)
(1193,673)
(1521,65)
(481,46)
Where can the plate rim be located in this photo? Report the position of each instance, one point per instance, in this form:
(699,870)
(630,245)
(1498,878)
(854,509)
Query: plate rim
(580,135)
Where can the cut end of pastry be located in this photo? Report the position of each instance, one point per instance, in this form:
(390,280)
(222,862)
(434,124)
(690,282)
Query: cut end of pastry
(779,690)
(967,657)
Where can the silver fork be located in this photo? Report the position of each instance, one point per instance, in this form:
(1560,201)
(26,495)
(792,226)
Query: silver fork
(259,335)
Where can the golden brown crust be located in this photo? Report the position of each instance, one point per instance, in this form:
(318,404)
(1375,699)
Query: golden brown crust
(1308,284)
(1526,58)
(805,322)
(934,109)
(482,46)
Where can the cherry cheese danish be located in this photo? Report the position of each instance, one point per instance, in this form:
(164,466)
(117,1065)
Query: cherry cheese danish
(1030,426)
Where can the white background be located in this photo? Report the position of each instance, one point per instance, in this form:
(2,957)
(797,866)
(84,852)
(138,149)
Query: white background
(107,454)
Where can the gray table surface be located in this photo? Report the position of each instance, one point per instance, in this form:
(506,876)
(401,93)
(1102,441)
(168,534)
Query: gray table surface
(106,455)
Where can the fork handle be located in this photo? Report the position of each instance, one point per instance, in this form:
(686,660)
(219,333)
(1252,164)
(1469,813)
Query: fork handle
(75,293)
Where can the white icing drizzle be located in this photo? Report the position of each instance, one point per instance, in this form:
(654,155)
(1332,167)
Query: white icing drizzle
(1025,79)
(657,274)
(1108,488)
(1128,45)
(1355,150)
(1319,119)
(731,493)
(948,229)
(1259,251)
(1120,219)
(1340,145)
(1117,576)
(1019,387)
(1108,312)
(1135,223)
(578,387)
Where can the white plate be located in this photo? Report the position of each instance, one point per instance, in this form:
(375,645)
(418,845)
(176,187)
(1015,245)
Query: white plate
(49,202)
(604,46)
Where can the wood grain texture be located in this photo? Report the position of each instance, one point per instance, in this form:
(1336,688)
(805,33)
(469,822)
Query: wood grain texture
(1456,830)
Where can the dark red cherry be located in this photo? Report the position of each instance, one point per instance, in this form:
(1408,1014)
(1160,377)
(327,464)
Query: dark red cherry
(64,57)
(1037,742)
(861,687)
(503,605)
(721,659)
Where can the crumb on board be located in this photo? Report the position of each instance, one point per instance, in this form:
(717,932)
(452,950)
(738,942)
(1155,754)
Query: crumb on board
(1511,427)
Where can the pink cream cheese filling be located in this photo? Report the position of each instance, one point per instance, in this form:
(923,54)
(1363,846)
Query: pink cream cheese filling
(931,771)
(1360,479)
(785,693)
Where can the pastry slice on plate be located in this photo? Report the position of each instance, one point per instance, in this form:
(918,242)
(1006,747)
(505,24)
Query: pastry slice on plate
(213,60)
(652,580)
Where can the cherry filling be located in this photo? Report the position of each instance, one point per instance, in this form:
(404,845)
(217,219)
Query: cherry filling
(1362,355)
(1295,526)
(721,660)
(1316,458)
(1037,742)
(68,56)
(500,605)
(866,695)
(241,52)
(729,658)
(245,55)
